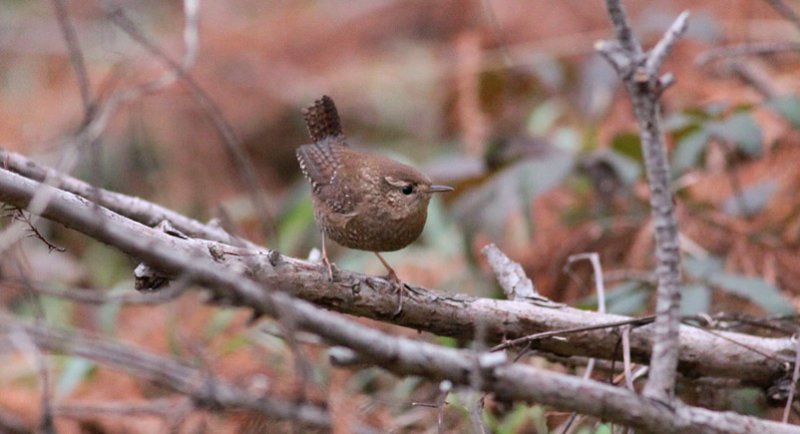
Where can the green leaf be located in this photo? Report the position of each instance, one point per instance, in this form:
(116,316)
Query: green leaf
(624,299)
(521,417)
(748,400)
(702,268)
(756,290)
(235,343)
(628,144)
(627,169)
(787,106)
(679,122)
(544,116)
(688,150)
(75,371)
(447,341)
(489,206)
(715,109)
(741,130)
(695,298)
(567,139)
(604,428)
(751,200)
(630,303)
(57,311)
(219,322)
(296,218)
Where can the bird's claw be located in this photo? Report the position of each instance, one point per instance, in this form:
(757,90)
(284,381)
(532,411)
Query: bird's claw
(398,288)
(330,266)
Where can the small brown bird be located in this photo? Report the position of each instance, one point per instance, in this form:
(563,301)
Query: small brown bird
(362,201)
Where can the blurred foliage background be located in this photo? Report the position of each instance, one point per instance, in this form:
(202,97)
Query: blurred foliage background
(504,99)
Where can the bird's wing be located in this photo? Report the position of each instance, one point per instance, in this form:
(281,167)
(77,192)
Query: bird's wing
(320,162)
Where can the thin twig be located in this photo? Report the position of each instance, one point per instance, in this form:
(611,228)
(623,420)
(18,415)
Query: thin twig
(135,208)
(785,11)
(664,46)
(20,338)
(626,356)
(76,58)
(25,218)
(233,144)
(164,408)
(597,270)
(552,333)
(97,297)
(795,378)
(441,404)
(751,48)
(625,35)
(753,76)
(88,134)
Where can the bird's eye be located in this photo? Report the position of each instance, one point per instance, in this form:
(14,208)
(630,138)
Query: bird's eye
(408,189)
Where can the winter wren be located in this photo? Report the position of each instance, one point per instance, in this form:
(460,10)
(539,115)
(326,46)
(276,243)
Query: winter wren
(362,201)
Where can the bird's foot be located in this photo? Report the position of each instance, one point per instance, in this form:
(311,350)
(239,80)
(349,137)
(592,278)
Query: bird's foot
(330,266)
(399,287)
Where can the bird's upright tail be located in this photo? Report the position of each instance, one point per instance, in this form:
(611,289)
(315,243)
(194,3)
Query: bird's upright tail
(322,120)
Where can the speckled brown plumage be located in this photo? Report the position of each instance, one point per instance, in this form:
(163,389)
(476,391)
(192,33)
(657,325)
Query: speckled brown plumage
(362,201)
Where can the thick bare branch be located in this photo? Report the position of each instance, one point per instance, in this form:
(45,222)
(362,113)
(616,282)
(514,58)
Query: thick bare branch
(402,356)
(147,213)
(754,360)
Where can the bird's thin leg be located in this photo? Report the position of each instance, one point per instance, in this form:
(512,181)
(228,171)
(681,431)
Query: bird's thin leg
(325,259)
(392,275)
(398,284)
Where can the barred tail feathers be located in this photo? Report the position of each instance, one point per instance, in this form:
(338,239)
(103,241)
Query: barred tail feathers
(322,119)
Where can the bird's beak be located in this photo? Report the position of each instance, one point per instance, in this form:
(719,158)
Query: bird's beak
(440,188)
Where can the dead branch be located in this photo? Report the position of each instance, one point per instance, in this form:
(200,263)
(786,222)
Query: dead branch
(639,71)
(752,359)
(193,260)
(233,145)
(134,208)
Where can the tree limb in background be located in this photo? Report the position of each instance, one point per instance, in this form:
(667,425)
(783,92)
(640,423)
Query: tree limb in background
(402,356)
(204,390)
(94,126)
(639,71)
(233,145)
(76,58)
(785,11)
